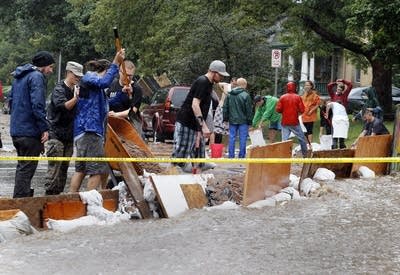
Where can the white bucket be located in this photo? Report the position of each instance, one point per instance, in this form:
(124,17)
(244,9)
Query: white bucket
(326,142)
(256,137)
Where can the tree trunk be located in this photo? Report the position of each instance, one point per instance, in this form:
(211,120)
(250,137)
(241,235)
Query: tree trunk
(382,82)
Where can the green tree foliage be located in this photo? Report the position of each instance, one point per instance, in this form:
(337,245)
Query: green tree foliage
(366,28)
(32,25)
(181,37)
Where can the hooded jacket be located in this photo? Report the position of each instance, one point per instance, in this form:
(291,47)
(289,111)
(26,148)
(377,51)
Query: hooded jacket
(290,105)
(92,107)
(238,107)
(372,99)
(28,103)
(267,112)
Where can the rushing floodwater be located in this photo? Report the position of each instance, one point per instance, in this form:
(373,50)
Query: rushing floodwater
(354,228)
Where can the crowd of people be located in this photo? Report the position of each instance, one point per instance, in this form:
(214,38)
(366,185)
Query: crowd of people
(76,118)
(291,115)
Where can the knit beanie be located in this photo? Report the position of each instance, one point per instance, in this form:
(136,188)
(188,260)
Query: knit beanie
(42,59)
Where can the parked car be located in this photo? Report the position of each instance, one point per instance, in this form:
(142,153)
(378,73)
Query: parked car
(158,118)
(356,98)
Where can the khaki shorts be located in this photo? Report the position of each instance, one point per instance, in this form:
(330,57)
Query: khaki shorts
(90,145)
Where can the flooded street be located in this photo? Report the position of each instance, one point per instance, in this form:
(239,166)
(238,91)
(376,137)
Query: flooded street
(351,228)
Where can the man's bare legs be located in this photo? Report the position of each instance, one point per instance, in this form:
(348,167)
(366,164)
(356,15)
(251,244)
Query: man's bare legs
(94,181)
(76,182)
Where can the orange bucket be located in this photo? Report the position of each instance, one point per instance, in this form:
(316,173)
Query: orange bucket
(216,150)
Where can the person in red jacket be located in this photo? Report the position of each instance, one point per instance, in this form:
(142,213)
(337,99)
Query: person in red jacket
(291,106)
(343,88)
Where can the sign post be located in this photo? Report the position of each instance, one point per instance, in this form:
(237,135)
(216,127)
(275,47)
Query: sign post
(276,62)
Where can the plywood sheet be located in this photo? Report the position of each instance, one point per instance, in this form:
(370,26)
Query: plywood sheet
(194,195)
(33,206)
(170,194)
(119,129)
(265,179)
(341,170)
(373,146)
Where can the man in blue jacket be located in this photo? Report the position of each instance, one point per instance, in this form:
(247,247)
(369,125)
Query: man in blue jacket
(28,124)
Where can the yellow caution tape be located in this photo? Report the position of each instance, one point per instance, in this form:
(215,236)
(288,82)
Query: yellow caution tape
(216,160)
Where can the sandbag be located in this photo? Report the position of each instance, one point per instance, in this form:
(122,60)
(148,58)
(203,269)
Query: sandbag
(15,227)
(294,181)
(325,142)
(365,172)
(294,194)
(324,174)
(263,203)
(308,186)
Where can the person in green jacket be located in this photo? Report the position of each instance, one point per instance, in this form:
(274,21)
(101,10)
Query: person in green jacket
(265,111)
(237,110)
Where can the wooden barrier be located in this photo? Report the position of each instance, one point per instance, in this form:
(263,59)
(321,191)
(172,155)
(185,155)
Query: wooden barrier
(263,179)
(341,170)
(71,206)
(373,146)
(120,129)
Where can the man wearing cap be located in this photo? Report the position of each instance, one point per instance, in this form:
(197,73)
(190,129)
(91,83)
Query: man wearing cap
(61,113)
(265,111)
(190,126)
(28,124)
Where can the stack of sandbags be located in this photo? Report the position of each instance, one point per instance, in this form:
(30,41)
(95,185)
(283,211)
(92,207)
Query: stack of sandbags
(18,225)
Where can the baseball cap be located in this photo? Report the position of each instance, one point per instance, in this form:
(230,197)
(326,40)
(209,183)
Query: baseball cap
(219,67)
(75,68)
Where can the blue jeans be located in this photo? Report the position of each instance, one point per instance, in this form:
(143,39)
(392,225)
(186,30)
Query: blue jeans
(243,132)
(298,132)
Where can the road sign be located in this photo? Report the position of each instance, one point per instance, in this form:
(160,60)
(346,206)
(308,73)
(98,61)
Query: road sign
(276,58)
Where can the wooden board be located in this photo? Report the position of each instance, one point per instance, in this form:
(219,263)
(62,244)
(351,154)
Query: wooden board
(265,179)
(305,168)
(33,206)
(169,192)
(8,214)
(373,146)
(120,129)
(194,195)
(132,181)
(341,170)
(395,166)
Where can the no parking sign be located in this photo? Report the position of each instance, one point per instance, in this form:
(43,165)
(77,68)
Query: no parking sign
(276,58)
